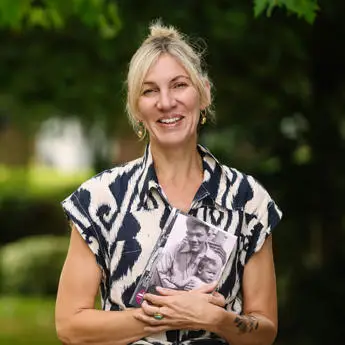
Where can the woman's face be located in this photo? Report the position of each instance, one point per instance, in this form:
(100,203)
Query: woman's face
(169,104)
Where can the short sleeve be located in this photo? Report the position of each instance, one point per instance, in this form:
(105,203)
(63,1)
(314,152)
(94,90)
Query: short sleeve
(78,209)
(263,215)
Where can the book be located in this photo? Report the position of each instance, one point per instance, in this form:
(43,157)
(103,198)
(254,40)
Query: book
(188,253)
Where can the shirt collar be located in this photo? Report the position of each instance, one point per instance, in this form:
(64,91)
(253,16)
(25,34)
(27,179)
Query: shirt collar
(148,178)
(214,176)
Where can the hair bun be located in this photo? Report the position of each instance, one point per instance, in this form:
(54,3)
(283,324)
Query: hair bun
(157,29)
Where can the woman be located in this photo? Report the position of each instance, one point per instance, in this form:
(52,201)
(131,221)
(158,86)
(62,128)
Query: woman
(116,218)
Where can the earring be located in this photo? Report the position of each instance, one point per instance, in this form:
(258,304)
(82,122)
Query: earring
(140,130)
(203,117)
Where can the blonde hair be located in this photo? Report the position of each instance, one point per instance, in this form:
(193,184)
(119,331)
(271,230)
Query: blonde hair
(163,39)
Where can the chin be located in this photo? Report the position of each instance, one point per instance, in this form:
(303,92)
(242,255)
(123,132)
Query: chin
(173,141)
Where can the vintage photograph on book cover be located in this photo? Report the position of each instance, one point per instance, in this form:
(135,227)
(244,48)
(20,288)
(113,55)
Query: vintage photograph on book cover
(188,253)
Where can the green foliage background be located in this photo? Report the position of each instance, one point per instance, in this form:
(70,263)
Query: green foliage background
(279,74)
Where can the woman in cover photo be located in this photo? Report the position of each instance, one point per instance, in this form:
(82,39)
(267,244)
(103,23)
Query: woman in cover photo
(112,217)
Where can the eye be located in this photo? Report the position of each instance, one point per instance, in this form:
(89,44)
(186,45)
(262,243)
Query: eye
(180,85)
(147,91)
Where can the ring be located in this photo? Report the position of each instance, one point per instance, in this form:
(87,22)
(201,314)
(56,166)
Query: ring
(158,316)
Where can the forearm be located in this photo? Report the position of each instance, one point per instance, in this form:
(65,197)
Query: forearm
(99,327)
(167,283)
(165,278)
(252,329)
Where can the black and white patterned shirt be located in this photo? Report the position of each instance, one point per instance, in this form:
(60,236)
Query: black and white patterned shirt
(120,213)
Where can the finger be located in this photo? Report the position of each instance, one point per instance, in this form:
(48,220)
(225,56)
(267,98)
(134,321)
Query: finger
(149,320)
(216,299)
(169,292)
(155,299)
(149,309)
(217,294)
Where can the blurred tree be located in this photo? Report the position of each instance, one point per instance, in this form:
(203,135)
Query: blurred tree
(303,8)
(37,40)
(53,46)
(65,66)
(67,60)
(54,14)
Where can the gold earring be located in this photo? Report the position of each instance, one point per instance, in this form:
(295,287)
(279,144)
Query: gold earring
(140,130)
(203,117)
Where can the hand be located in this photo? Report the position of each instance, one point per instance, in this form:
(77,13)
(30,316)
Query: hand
(195,309)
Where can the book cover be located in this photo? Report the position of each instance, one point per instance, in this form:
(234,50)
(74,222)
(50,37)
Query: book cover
(188,253)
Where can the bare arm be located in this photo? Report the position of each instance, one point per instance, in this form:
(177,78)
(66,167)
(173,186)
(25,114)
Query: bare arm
(258,325)
(77,322)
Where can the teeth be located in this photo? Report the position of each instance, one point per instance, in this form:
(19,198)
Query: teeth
(174,119)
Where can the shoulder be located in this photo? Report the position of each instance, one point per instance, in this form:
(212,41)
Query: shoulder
(103,187)
(252,197)
(109,176)
(246,190)
(178,248)
(245,193)
(230,187)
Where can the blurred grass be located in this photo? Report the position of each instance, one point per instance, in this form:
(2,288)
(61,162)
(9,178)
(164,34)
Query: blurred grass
(30,320)
(38,181)
(25,320)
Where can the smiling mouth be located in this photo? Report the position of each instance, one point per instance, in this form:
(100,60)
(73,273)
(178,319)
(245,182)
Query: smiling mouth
(171,120)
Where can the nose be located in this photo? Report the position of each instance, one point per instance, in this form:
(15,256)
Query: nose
(194,239)
(166,100)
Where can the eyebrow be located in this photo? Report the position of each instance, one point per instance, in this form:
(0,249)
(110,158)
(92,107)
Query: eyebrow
(148,82)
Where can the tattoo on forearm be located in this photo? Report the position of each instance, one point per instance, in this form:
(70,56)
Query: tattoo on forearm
(246,323)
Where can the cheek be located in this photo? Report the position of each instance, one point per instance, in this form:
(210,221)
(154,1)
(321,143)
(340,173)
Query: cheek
(144,106)
(192,99)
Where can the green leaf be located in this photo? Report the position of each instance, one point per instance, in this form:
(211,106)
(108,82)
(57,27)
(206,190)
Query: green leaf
(12,12)
(51,14)
(110,23)
(56,18)
(259,7)
(306,9)
(113,14)
(38,17)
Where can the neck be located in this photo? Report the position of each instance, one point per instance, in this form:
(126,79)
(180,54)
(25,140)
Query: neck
(177,165)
